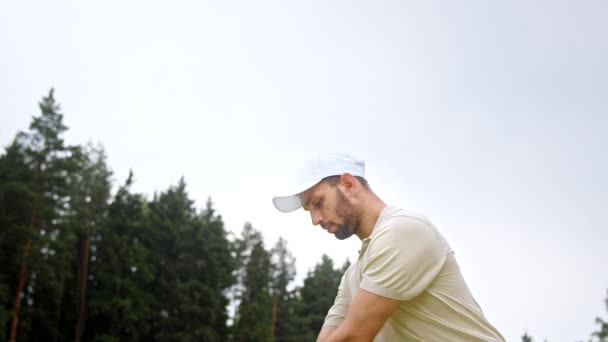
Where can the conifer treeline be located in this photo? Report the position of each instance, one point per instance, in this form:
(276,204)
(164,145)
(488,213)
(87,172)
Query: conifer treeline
(79,263)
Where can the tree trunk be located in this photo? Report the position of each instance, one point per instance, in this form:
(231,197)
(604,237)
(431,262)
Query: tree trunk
(83,271)
(20,286)
(56,331)
(274,314)
(26,253)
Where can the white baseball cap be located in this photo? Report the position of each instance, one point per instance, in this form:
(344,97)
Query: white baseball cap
(312,171)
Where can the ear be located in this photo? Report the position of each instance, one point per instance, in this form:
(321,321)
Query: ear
(348,182)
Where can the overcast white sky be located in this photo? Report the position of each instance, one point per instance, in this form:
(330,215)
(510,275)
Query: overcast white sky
(490,118)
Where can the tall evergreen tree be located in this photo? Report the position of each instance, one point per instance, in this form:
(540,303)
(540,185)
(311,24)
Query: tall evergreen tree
(120,299)
(215,267)
(284,271)
(318,294)
(61,292)
(195,268)
(16,180)
(170,214)
(43,234)
(253,319)
(89,195)
(204,267)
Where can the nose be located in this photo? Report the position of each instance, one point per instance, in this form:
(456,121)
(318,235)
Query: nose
(316,217)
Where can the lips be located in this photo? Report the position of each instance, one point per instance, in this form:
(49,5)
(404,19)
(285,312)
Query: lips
(328,227)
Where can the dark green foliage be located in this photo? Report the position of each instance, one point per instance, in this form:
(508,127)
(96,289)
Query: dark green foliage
(601,335)
(119,303)
(318,294)
(170,217)
(253,319)
(211,262)
(125,270)
(37,232)
(286,322)
(16,194)
(89,195)
(194,269)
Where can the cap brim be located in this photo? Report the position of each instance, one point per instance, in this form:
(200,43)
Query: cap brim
(287,204)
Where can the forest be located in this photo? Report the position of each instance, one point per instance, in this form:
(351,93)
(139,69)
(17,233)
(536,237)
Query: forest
(80,262)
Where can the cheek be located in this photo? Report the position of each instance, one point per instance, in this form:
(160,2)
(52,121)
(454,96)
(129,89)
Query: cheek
(329,212)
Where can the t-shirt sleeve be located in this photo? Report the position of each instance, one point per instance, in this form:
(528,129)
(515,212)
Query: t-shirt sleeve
(405,255)
(337,313)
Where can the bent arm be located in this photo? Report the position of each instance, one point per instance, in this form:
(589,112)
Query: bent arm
(337,313)
(366,316)
(326,331)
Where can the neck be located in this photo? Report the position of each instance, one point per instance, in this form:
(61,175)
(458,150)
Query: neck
(372,207)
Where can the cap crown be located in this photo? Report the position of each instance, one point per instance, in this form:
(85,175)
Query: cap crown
(330,164)
(313,171)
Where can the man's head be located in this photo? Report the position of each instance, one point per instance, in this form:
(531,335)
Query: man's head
(335,204)
(329,187)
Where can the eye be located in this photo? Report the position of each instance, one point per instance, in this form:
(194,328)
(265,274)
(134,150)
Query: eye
(317,204)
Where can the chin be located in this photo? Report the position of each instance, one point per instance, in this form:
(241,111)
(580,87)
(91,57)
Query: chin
(343,234)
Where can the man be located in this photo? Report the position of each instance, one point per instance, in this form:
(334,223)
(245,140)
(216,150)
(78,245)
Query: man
(405,284)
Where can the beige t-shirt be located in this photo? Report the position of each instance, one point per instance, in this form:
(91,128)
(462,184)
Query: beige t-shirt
(407,259)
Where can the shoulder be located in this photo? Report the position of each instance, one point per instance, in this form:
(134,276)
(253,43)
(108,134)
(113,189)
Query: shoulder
(405,254)
(399,227)
(399,221)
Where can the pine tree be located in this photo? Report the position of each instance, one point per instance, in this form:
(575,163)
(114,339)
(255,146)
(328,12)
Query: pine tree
(16,196)
(89,195)
(318,294)
(41,237)
(120,298)
(170,216)
(204,267)
(62,293)
(216,265)
(254,315)
(601,335)
(284,271)
(195,268)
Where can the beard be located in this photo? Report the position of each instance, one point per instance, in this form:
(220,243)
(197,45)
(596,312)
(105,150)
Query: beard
(349,215)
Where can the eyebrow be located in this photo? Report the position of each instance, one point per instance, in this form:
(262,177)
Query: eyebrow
(305,205)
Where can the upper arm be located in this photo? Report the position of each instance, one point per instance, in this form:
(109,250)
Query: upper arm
(403,259)
(367,314)
(337,313)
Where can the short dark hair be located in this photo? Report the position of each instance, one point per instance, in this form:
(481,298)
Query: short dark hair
(335,180)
